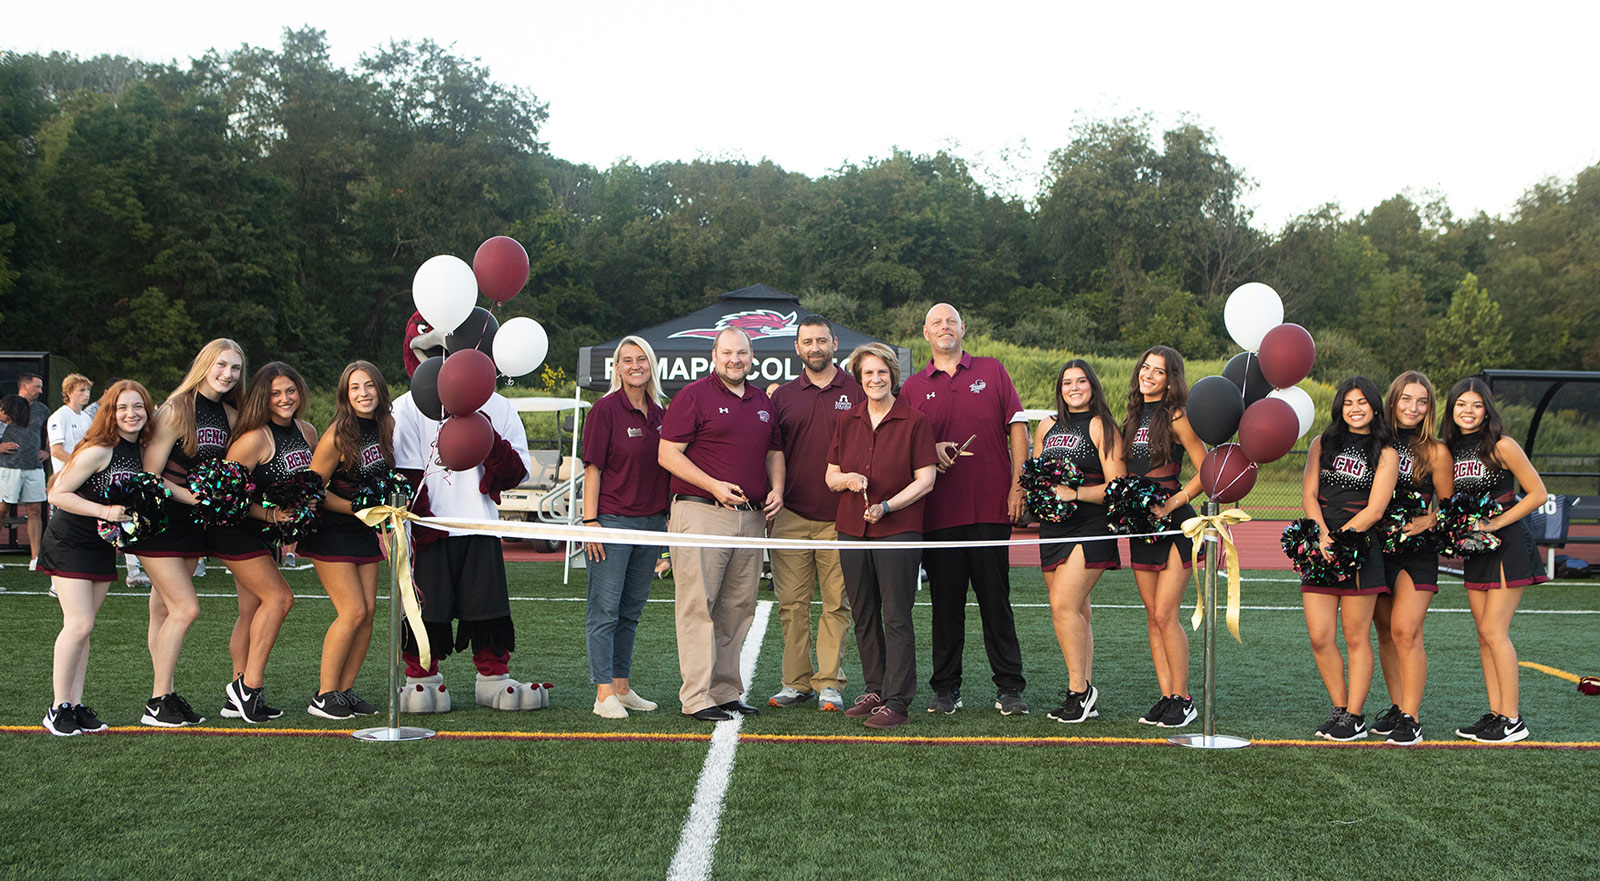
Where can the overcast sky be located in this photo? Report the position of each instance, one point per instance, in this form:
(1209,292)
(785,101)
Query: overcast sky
(1317,102)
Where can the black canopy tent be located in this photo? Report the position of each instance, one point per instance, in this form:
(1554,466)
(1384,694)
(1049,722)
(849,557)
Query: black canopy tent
(683,345)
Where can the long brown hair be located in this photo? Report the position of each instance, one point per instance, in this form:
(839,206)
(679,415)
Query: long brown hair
(1172,400)
(1422,445)
(103,431)
(256,411)
(182,398)
(346,424)
(1097,398)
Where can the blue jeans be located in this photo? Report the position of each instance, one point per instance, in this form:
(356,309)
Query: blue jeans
(618,588)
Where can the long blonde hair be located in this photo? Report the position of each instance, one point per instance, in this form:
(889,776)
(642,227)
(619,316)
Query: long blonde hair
(182,398)
(654,387)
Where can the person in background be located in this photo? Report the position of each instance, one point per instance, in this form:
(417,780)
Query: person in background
(22,457)
(809,408)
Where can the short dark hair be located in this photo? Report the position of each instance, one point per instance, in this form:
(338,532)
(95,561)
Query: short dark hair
(817,321)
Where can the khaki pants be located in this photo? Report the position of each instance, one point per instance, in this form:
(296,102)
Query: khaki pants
(795,575)
(715,602)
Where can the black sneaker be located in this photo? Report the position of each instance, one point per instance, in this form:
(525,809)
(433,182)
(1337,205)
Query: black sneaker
(357,704)
(248,700)
(1349,726)
(1156,712)
(182,706)
(1406,732)
(1322,730)
(230,710)
(1180,712)
(945,702)
(88,722)
(330,705)
(1503,730)
(1386,722)
(1077,706)
(1010,703)
(1471,732)
(61,721)
(163,713)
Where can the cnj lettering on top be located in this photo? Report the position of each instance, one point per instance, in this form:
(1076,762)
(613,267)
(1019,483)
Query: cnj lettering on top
(1469,468)
(1405,465)
(371,454)
(297,460)
(1142,436)
(1350,465)
(1062,442)
(210,437)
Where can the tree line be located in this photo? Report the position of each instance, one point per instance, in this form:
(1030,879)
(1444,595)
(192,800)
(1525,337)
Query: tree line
(271,196)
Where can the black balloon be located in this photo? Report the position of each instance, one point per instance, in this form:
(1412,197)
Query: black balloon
(1214,409)
(477,332)
(1244,371)
(425,388)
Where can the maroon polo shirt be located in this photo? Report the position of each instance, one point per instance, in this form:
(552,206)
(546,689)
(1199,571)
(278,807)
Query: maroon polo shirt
(889,456)
(978,400)
(728,435)
(625,445)
(807,414)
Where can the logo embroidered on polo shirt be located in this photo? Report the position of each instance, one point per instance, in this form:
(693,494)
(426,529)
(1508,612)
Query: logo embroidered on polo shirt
(635,432)
(843,403)
(722,409)
(765,416)
(929,395)
(979,386)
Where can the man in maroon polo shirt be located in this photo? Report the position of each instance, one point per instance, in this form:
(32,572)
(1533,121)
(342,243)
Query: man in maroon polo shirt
(808,409)
(720,442)
(982,437)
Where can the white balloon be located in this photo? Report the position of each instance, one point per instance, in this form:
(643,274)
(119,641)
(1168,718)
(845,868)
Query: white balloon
(520,346)
(1252,309)
(444,290)
(1296,397)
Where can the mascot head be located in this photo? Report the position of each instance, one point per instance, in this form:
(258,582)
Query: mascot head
(422,341)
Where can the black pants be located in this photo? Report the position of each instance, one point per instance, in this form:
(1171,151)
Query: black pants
(882,588)
(988,569)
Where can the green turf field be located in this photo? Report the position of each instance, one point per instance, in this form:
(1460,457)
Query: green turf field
(157,804)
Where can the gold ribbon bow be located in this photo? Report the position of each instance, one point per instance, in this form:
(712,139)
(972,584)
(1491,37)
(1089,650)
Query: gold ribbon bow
(1194,528)
(400,559)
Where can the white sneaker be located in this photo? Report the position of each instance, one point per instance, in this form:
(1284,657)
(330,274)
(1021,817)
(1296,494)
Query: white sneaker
(138,578)
(610,708)
(790,697)
(830,701)
(200,570)
(33,565)
(633,701)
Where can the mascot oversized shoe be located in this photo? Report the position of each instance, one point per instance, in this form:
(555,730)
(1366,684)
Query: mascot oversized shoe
(424,694)
(504,693)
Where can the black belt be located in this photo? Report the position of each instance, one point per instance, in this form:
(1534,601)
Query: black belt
(745,506)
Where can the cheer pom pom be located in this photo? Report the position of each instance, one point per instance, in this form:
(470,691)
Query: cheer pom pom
(1407,505)
(1302,544)
(1129,501)
(378,490)
(222,491)
(1459,518)
(298,498)
(143,498)
(1040,477)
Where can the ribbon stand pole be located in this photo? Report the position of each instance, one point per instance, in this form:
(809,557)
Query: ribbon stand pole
(394,732)
(1209,738)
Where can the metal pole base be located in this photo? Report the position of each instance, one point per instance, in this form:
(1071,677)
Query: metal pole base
(392,735)
(1210,741)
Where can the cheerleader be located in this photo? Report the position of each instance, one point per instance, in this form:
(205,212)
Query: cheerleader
(79,562)
(1411,573)
(1155,437)
(1349,479)
(192,426)
(356,451)
(1486,461)
(1083,431)
(274,443)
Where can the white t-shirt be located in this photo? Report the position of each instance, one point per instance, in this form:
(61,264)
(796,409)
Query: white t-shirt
(453,493)
(67,428)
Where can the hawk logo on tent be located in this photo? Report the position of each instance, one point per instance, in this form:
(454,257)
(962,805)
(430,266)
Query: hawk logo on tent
(758,323)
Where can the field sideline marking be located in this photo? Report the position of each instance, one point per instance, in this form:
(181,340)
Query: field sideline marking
(970,603)
(697,844)
(783,739)
(1553,671)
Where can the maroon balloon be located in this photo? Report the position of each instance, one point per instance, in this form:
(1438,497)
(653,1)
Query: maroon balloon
(1287,352)
(465,441)
(466,381)
(501,266)
(1268,430)
(1227,474)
